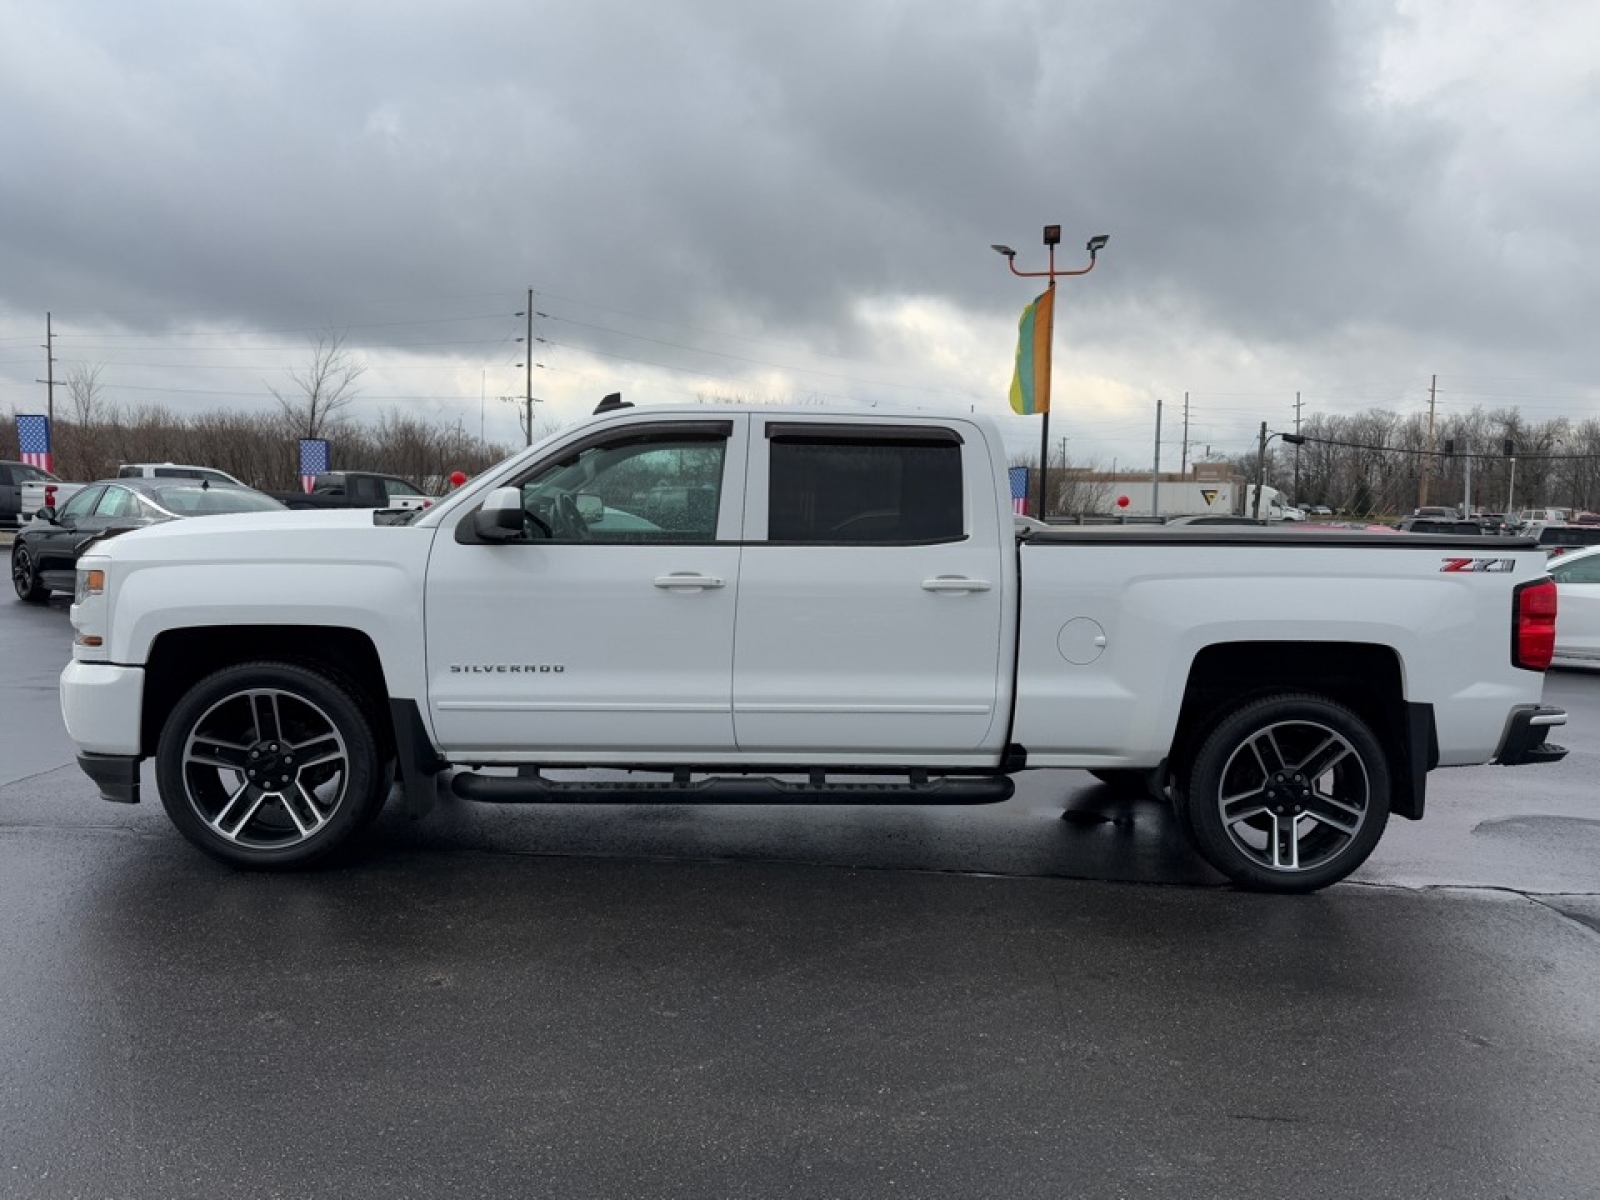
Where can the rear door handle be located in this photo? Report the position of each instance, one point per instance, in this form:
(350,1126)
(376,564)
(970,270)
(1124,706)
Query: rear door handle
(688,581)
(955,583)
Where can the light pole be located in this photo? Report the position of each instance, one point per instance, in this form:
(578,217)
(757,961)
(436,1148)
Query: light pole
(1052,238)
(1291,439)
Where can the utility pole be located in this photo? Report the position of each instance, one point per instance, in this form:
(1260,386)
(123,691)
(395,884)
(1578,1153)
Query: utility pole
(1261,470)
(49,379)
(1427,463)
(1297,449)
(1155,474)
(527,394)
(1183,463)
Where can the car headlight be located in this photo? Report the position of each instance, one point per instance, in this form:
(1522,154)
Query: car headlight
(91,582)
(88,614)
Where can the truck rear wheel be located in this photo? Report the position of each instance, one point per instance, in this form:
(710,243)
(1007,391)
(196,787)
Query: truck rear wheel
(269,765)
(1289,794)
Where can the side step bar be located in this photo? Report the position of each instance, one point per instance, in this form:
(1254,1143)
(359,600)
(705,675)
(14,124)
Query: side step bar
(532,788)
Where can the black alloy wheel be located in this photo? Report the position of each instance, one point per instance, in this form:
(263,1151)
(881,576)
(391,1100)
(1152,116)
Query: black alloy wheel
(270,766)
(1289,794)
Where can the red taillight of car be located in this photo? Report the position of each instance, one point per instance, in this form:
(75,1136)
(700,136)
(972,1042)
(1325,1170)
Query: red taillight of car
(1533,625)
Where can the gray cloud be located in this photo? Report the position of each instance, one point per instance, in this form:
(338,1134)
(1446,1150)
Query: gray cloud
(762,168)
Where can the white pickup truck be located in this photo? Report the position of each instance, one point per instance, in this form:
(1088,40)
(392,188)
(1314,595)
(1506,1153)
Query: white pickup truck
(748,605)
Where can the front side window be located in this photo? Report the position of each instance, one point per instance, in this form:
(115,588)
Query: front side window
(82,504)
(875,486)
(663,487)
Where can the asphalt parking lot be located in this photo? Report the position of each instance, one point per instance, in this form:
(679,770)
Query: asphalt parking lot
(1049,997)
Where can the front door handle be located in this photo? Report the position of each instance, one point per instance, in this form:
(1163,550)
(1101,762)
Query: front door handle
(955,583)
(688,581)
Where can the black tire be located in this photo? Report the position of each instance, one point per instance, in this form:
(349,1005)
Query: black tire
(25,576)
(1289,794)
(228,776)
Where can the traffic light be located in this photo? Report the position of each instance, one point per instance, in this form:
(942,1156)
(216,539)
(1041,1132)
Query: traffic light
(1509,448)
(1449,446)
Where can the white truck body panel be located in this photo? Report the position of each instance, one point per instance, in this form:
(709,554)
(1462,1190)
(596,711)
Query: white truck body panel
(827,590)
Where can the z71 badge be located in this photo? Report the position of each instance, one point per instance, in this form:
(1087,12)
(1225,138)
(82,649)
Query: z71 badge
(1479,564)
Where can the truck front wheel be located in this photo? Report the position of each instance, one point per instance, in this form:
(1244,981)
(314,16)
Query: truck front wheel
(269,765)
(1289,794)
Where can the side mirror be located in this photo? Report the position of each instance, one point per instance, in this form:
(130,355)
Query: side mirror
(501,517)
(590,506)
(46,513)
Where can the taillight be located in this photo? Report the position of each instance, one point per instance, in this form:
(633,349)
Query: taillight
(1533,627)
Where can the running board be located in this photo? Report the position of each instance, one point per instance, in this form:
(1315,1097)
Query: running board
(533,788)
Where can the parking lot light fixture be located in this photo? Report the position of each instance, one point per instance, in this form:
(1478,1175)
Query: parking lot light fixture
(1052,238)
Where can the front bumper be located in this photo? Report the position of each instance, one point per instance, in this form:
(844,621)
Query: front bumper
(1524,738)
(116,775)
(101,706)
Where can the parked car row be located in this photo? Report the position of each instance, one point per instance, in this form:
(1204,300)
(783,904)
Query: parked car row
(44,555)
(59,521)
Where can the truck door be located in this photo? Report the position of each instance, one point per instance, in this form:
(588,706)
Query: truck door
(609,625)
(872,593)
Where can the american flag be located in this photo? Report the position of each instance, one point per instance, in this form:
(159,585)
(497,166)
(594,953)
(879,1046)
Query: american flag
(33,441)
(1019,490)
(313,461)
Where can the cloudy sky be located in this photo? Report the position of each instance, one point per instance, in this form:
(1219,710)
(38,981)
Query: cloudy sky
(795,202)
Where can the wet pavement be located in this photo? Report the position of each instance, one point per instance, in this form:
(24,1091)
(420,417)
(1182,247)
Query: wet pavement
(677,1001)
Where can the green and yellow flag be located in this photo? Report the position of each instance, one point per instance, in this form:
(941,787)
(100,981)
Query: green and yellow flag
(1030,382)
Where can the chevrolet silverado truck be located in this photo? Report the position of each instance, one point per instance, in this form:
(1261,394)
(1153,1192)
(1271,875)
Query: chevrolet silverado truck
(757,605)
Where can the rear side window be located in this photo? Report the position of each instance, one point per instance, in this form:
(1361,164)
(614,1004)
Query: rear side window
(1584,570)
(859,485)
(1569,535)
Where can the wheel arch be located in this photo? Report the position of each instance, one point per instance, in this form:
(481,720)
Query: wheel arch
(180,658)
(1367,678)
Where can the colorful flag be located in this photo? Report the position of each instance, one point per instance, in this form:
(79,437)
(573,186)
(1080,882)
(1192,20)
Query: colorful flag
(313,461)
(1019,490)
(1030,383)
(33,441)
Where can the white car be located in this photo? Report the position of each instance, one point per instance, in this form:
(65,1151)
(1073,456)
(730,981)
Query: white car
(1577,577)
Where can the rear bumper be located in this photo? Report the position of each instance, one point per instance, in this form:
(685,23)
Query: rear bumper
(1524,738)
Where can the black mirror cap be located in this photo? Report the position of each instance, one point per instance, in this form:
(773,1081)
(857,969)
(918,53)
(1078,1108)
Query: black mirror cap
(47,514)
(497,524)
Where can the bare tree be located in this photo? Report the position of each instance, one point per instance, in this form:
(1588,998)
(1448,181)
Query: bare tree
(324,390)
(83,386)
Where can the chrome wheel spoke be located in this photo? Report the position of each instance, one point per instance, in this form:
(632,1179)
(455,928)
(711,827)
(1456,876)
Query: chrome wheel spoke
(250,809)
(1324,758)
(264,707)
(1334,813)
(1286,841)
(302,809)
(316,751)
(214,752)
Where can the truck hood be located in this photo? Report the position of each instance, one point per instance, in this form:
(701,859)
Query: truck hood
(342,535)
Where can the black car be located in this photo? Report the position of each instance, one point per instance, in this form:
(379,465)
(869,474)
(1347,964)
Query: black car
(44,556)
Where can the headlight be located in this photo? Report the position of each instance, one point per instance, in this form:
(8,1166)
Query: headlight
(91,582)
